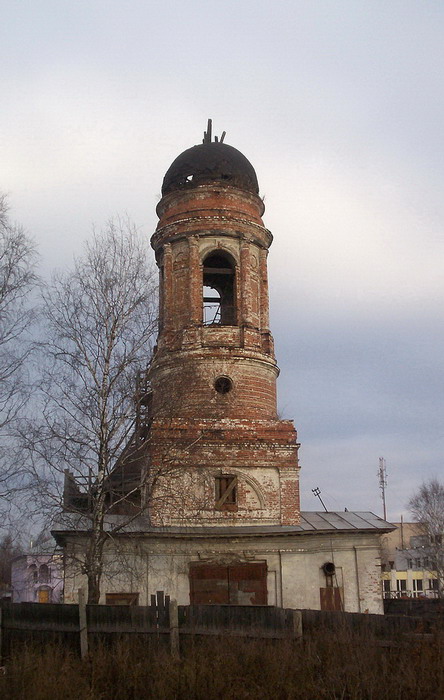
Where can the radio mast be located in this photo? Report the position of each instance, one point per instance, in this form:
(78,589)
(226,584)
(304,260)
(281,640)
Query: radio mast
(382,474)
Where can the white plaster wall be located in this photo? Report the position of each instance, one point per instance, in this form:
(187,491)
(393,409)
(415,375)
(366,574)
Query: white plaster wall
(146,565)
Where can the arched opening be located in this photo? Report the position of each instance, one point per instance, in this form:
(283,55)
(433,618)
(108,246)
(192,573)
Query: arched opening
(32,573)
(218,290)
(44,574)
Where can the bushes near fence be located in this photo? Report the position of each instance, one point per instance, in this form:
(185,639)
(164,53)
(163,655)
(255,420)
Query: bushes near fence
(340,666)
(226,652)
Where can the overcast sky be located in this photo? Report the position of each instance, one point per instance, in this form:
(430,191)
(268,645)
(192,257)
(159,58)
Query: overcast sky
(339,106)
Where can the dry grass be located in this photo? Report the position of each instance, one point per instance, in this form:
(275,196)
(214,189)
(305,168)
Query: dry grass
(325,667)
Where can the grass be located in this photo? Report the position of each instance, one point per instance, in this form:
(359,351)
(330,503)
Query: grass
(324,666)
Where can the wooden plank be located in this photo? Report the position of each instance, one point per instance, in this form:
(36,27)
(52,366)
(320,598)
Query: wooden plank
(83,629)
(174,628)
(297,624)
(330,598)
(162,609)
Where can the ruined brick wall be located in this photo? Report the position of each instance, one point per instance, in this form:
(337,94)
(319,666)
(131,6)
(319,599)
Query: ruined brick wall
(188,456)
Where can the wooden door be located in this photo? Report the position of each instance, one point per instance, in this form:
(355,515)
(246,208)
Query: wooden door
(43,596)
(236,584)
(208,584)
(248,584)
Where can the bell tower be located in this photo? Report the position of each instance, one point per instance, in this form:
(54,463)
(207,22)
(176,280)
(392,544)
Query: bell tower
(214,421)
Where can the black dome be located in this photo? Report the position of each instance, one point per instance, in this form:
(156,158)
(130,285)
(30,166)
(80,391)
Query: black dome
(209,162)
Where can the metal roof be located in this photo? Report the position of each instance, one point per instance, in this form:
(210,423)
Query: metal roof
(347,520)
(311,522)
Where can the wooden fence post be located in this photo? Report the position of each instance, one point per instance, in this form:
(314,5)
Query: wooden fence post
(83,629)
(297,624)
(174,628)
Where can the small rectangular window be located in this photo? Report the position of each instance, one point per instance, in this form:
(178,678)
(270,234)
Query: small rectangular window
(226,492)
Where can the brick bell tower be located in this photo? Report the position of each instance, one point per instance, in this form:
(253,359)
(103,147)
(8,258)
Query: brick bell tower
(214,434)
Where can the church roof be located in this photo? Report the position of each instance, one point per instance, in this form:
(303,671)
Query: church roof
(210,162)
(311,523)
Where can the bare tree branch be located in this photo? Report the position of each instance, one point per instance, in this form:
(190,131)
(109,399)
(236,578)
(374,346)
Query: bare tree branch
(100,320)
(17,280)
(427,507)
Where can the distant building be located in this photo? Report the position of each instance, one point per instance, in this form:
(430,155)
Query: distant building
(37,578)
(407,562)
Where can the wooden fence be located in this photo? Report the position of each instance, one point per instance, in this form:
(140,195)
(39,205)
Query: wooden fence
(432,608)
(165,622)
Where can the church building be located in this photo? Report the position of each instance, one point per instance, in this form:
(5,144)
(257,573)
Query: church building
(220,519)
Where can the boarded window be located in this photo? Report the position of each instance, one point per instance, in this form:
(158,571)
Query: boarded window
(226,492)
(122,599)
(236,584)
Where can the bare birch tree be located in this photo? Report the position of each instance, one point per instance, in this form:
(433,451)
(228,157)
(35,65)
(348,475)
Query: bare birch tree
(100,323)
(17,280)
(427,507)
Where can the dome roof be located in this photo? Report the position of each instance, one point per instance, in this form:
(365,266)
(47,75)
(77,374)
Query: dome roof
(209,162)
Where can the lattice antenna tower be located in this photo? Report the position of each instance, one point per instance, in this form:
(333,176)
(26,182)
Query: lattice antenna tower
(382,475)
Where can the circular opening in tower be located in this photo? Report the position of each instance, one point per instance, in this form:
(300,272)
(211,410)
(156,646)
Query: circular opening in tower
(223,385)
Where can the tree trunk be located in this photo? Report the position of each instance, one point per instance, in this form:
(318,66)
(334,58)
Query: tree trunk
(93,588)
(94,564)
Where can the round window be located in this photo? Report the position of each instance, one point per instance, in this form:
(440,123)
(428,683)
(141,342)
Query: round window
(223,385)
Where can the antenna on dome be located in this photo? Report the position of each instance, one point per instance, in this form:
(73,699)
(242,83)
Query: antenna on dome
(208,134)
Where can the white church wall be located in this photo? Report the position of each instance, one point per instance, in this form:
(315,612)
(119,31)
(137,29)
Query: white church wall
(294,568)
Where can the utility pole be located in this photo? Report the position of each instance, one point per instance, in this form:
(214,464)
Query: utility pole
(382,474)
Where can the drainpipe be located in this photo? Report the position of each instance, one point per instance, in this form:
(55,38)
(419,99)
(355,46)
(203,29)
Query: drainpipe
(280,591)
(357,578)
